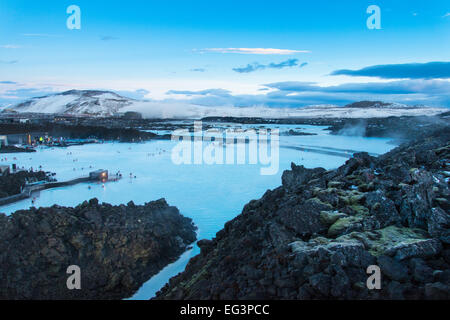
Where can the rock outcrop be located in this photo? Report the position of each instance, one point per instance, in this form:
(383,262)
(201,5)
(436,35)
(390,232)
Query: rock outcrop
(11,184)
(315,236)
(116,247)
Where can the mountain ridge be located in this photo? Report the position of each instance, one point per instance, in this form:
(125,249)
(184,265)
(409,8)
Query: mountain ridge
(105,103)
(76,102)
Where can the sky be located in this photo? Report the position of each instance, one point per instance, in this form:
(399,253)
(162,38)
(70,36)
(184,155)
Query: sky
(229,53)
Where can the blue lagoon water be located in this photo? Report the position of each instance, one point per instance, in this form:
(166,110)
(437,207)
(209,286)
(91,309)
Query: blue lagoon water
(209,194)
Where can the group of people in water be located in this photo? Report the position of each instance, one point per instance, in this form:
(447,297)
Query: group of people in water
(117,176)
(6,159)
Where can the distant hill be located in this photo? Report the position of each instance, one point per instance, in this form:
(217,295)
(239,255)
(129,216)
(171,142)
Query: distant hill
(77,102)
(380,105)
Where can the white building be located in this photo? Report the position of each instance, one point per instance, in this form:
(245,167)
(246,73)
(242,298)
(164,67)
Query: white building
(3,141)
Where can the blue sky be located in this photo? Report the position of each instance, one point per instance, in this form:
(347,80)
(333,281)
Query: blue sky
(247,51)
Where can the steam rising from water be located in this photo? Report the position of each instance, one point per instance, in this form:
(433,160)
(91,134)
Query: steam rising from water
(179,109)
(358,129)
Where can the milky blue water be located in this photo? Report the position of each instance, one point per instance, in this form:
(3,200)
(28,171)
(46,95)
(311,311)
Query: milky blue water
(209,194)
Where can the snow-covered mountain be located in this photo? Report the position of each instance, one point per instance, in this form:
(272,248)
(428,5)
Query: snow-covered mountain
(106,103)
(76,102)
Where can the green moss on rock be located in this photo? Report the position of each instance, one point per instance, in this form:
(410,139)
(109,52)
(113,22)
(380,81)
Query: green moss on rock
(343,224)
(330,217)
(381,241)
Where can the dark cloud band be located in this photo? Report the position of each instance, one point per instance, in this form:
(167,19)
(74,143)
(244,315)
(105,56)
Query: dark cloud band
(430,70)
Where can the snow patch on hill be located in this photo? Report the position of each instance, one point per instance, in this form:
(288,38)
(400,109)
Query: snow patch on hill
(100,103)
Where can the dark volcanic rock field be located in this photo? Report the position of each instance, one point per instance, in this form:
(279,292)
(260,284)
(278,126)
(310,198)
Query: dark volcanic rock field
(116,247)
(315,236)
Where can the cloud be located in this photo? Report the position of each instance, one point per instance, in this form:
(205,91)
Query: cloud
(393,87)
(10,46)
(40,35)
(304,64)
(108,38)
(418,91)
(8,82)
(142,91)
(250,68)
(16,95)
(198,70)
(446,15)
(257,66)
(284,64)
(138,94)
(430,70)
(9,61)
(299,94)
(214,92)
(253,51)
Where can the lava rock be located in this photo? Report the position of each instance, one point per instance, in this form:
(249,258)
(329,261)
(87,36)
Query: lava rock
(117,249)
(315,236)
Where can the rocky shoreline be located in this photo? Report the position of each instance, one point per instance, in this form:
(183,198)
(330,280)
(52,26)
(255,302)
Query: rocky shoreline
(315,236)
(76,131)
(13,183)
(117,248)
(14,149)
(402,128)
